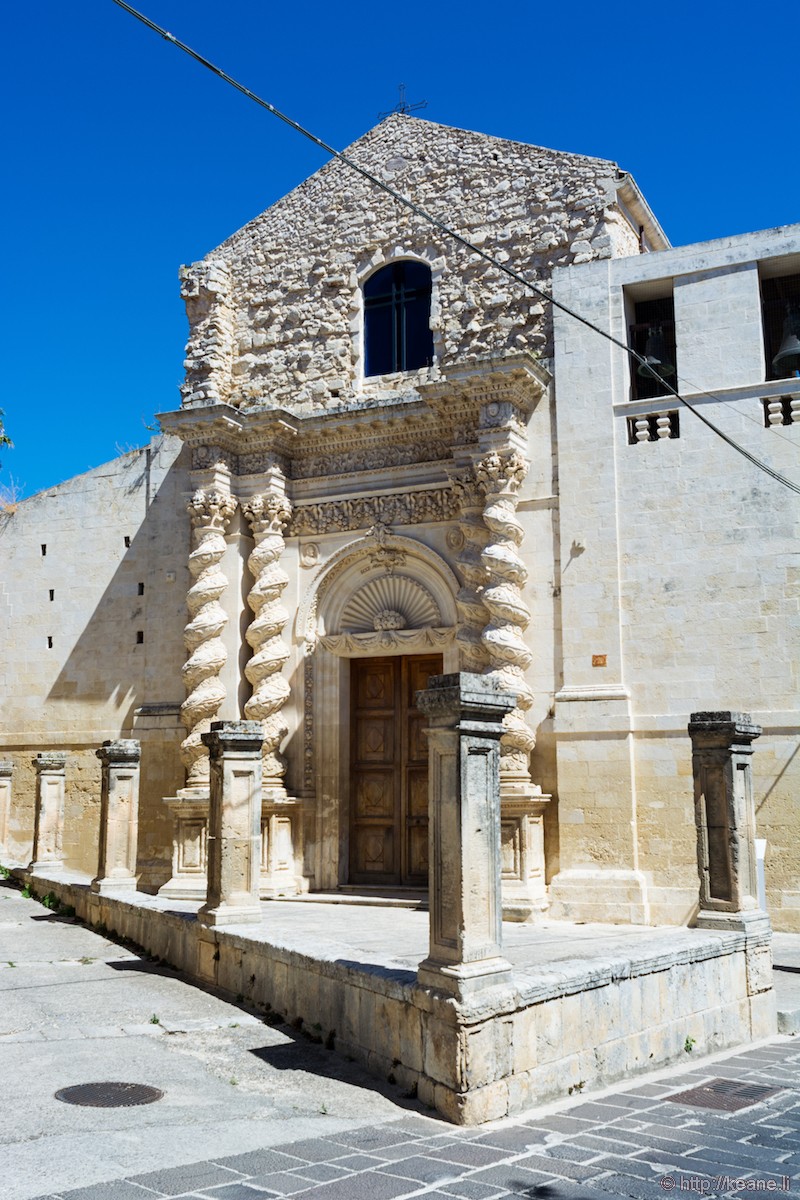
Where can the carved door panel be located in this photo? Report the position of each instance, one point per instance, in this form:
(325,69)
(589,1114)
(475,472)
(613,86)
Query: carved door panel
(389,771)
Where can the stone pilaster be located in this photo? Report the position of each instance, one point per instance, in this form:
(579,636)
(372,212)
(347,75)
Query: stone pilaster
(466,714)
(234,834)
(6,773)
(501,476)
(210,513)
(722,747)
(48,829)
(473,615)
(119,818)
(268,516)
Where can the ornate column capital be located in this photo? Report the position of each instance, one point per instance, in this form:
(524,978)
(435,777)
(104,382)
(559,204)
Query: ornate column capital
(211,509)
(267,513)
(502,472)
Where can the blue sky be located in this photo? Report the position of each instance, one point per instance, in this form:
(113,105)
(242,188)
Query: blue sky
(125,158)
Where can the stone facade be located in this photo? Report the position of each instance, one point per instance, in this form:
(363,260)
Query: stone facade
(679,579)
(498,511)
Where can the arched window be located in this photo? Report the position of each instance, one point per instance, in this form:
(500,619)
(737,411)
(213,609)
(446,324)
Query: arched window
(397,319)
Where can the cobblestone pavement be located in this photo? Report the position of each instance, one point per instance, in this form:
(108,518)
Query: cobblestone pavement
(635,1142)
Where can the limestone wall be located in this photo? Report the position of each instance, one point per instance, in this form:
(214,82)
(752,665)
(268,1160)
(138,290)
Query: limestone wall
(94,597)
(276,311)
(679,565)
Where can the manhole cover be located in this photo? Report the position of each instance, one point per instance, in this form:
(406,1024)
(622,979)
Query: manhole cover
(109,1095)
(727,1094)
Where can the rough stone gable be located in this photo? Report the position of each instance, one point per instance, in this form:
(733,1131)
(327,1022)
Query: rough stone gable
(276,310)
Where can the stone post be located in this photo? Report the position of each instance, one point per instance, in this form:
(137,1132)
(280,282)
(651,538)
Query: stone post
(722,746)
(6,771)
(234,832)
(48,829)
(119,818)
(466,723)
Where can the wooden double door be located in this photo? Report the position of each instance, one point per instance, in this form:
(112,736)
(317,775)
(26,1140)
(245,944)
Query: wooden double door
(389,771)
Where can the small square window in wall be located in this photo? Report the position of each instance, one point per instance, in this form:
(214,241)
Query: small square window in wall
(780,308)
(127,542)
(652,335)
(140,589)
(44,549)
(52,593)
(139,637)
(49,642)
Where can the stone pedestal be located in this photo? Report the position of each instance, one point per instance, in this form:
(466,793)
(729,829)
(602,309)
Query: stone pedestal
(281,840)
(48,830)
(119,818)
(522,852)
(6,771)
(189,845)
(466,723)
(722,746)
(234,833)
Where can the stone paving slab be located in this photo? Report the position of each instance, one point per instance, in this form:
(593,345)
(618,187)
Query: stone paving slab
(82,1003)
(620,1144)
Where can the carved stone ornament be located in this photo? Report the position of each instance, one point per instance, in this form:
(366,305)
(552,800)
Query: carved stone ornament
(390,602)
(268,516)
(473,613)
(501,476)
(364,512)
(210,513)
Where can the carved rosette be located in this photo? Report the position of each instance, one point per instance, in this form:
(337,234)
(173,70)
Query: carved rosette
(268,515)
(501,476)
(473,615)
(210,513)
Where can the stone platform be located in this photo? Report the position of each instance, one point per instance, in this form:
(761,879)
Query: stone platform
(586,1004)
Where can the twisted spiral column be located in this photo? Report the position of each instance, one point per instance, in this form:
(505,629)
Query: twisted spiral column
(210,513)
(268,516)
(501,477)
(472,612)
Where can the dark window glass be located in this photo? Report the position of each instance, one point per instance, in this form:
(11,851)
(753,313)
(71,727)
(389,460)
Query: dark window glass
(653,336)
(397,316)
(780,301)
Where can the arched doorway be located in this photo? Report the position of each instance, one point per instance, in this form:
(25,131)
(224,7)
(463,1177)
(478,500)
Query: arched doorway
(379,620)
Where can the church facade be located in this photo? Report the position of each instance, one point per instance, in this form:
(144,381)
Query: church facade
(392,462)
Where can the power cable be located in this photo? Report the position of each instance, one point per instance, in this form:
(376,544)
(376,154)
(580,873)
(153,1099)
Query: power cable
(457,237)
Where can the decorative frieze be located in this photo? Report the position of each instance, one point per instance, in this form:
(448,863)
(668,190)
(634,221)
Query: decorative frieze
(210,513)
(268,516)
(363,512)
(501,477)
(358,459)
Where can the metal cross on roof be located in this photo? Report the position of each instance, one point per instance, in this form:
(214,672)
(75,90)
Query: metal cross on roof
(402,105)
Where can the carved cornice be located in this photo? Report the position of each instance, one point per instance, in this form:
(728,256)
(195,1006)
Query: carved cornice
(472,403)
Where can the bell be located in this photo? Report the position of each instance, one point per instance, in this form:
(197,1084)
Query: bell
(655,355)
(787,361)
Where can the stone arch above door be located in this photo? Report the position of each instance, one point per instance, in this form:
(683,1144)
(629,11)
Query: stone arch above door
(382,593)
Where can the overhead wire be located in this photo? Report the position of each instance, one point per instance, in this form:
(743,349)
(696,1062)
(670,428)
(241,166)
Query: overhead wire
(451,233)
